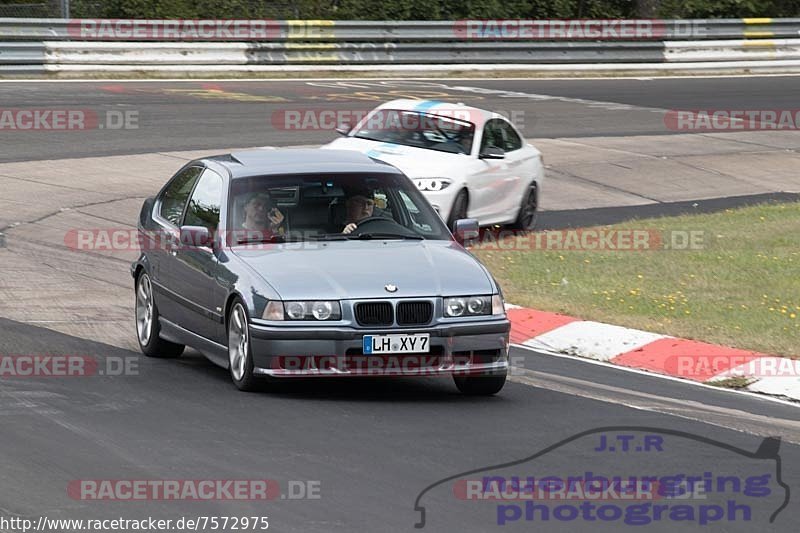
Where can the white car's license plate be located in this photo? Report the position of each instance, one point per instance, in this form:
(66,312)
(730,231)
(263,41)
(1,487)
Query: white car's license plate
(405,343)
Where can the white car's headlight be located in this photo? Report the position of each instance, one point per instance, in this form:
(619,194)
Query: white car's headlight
(432,184)
(473,306)
(303,310)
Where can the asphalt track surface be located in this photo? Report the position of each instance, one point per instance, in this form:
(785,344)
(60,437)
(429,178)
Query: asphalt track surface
(372,446)
(187,115)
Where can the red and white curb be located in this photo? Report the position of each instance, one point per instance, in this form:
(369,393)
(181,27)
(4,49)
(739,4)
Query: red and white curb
(662,354)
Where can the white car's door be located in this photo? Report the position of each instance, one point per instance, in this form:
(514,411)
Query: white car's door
(488,183)
(521,165)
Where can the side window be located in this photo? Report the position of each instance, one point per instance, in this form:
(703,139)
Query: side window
(512,140)
(204,207)
(174,198)
(492,135)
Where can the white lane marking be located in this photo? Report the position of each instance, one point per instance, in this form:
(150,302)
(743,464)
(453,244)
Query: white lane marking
(593,340)
(716,415)
(640,372)
(780,386)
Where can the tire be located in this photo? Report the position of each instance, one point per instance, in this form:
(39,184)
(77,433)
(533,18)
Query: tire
(459,209)
(480,385)
(240,354)
(147,325)
(528,210)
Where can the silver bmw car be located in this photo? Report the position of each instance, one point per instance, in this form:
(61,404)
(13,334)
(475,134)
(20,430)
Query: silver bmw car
(295,263)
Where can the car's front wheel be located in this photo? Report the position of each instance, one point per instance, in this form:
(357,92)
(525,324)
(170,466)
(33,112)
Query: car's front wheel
(528,210)
(147,325)
(240,356)
(480,385)
(459,209)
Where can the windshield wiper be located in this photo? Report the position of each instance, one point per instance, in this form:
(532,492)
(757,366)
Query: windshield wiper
(329,237)
(384,235)
(262,239)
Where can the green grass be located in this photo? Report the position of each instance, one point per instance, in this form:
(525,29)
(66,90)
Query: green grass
(741,289)
(732,383)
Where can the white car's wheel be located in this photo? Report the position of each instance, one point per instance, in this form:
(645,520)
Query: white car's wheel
(528,210)
(459,209)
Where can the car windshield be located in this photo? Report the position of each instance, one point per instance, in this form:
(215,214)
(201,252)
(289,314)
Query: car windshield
(322,206)
(418,129)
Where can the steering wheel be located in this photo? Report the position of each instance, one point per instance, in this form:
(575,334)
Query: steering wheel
(392,225)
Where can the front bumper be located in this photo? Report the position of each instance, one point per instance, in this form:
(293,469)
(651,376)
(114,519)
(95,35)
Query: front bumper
(473,348)
(442,201)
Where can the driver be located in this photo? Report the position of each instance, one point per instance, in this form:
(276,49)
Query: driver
(359,205)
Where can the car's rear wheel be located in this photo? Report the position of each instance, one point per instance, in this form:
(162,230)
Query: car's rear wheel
(459,209)
(240,356)
(528,210)
(480,385)
(147,325)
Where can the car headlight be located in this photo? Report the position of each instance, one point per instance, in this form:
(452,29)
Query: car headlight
(302,310)
(432,184)
(473,306)
(273,311)
(498,305)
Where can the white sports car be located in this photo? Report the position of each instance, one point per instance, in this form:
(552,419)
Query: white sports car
(468,162)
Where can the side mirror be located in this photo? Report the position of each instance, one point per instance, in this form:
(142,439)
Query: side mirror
(492,152)
(195,236)
(467,229)
(344,128)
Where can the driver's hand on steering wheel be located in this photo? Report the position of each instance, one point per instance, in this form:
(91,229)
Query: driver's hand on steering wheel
(350,227)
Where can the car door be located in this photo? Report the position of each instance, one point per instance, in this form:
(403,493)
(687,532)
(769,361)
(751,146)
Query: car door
(488,183)
(519,172)
(168,214)
(194,268)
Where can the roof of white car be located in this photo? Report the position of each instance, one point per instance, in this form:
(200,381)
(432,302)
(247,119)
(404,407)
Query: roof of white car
(436,107)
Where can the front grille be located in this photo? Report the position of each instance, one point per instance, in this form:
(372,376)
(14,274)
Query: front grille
(374,313)
(414,313)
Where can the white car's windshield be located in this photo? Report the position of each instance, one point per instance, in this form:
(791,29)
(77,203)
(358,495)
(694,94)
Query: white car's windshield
(418,129)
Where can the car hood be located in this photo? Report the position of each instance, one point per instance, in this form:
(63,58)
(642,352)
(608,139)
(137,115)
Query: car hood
(413,162)
(360,269)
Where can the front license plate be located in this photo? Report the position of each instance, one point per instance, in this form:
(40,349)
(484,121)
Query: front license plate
(380,344)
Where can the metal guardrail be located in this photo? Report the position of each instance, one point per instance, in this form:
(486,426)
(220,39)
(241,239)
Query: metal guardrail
(22,53)
(379,31)
(32,45)
(350,53)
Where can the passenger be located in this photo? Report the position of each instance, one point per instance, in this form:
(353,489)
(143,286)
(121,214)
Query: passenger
(260,214)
